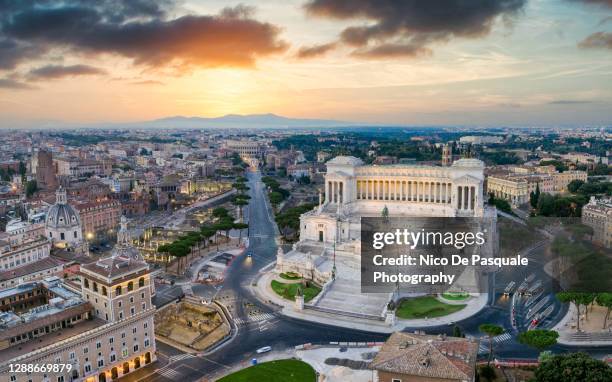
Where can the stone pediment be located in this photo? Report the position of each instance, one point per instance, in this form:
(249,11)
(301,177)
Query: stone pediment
(466,179)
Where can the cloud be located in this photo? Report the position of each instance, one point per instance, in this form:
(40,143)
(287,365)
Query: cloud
(51,72)
(408,28)
(315,50)
(597,40)
(141,30)
(9,83)
(147,82)
(607,3)
(569,102)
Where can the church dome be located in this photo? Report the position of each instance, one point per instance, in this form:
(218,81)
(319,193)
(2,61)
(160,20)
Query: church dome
(61,214)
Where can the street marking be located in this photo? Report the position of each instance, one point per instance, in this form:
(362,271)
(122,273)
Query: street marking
(502,338)
(256,318)
(483,349)
(180,357)
(170,374)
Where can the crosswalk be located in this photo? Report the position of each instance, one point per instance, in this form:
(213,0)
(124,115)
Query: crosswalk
(180,357)
(502,338)
(170,374)
(256,318)
(484,343)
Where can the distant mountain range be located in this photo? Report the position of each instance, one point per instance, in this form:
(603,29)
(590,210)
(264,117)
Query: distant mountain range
(246,121)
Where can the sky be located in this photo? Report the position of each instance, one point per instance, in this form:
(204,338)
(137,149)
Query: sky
(401,62)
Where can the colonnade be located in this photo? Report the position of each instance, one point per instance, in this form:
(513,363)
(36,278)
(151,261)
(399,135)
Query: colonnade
(402,190)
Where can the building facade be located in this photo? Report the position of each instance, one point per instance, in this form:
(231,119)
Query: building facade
(103,332)
(597,214)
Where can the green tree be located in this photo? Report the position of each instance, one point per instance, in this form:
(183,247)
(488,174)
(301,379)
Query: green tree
(540,339)
(240,227)
(534,196)
(275,198)
(573,367)
(575,185)
(220,212)
(578,299)
(491,330)
(605,300)
(30,188)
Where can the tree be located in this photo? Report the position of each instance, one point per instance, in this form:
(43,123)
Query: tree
(275,198)
(220,212)
(539,339)
(240,203)
(207,232)
(31,188)
(577,298)
(534,196)
(574,185)
(491,330)
(240,227)
(605,300)
(573,367)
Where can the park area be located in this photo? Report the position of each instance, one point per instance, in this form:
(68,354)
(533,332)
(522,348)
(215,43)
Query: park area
(284,370)
(288,290)
(425,307)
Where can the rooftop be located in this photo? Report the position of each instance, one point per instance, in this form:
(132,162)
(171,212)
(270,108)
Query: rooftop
(427,356)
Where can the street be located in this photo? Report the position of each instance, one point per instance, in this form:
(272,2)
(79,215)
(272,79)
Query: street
(259,325)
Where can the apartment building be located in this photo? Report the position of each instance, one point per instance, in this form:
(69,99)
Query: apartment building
(103,332)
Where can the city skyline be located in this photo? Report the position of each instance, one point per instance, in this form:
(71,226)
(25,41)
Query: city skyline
(487,63)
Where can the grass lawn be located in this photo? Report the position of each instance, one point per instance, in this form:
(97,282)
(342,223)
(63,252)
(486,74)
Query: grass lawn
(290,276)
(426,306)
(284,370)
(288,290)
(456,296)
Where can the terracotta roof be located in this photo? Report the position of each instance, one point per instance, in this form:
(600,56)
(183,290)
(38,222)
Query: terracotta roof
(427,356)
(112,267)
(34,267)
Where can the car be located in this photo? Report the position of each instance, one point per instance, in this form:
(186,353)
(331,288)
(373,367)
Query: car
(343,349)
(264,349)
(250,254)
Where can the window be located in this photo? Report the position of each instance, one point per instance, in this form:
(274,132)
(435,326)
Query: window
(120,315)
(104,293)
(135,348)
(124,353)
(72,355)
(87,368)
(146,343)
(113,357)
(142,295)
(146,325)
(132,300)
(98,345)
(85,350)
(130,286)
(75,234)
(101,362)
(123,335)
(62,236)
(396,380)
(132,311)
(118,291)
(111,340)
(95,286)
(144,306)
(141,282)
(134,330)
(86,282)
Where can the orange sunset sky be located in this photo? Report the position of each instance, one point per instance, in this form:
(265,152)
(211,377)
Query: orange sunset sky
(480,62)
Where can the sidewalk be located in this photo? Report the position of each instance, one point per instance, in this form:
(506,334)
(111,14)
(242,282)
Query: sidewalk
(264,292)
(566,331)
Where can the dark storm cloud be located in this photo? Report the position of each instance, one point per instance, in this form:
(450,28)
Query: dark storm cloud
(607,3)
(58,71)
(597,40)
(140,30)
(315,50)
(408,27)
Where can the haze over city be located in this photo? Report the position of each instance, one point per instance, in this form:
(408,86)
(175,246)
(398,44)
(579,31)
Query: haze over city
(479,63)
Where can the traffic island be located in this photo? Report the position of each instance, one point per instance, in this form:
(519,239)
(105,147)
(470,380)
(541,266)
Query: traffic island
(425,307)
(284,370)
(289,290)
